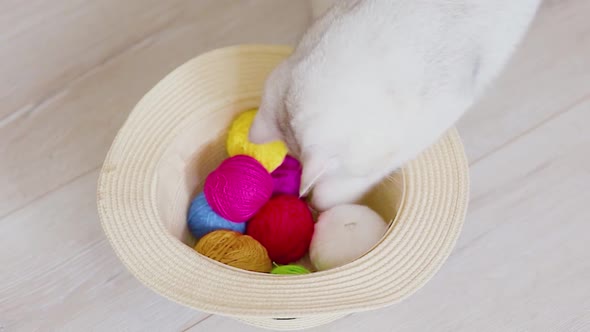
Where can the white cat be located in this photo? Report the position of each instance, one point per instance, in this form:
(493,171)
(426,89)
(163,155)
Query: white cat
(374,82)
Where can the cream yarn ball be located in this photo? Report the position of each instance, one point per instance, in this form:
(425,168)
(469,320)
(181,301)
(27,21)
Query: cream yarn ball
(343,234)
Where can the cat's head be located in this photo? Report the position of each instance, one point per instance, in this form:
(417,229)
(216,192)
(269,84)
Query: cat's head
(342,138)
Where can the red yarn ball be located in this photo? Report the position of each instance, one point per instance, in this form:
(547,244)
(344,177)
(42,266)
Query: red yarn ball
(284,226)
(238,188)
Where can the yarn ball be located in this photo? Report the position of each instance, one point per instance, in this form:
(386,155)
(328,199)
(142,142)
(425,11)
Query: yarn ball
(290,269)
(235,249)
(343,234)
(202,219)
(238,188)
(270,155)
(287,177)
(284,226)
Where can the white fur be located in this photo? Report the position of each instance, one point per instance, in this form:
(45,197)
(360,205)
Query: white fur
(375,82)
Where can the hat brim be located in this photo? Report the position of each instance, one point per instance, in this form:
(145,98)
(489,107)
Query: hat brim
(426,228)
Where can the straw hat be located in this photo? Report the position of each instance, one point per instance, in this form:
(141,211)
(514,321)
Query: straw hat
(175,136)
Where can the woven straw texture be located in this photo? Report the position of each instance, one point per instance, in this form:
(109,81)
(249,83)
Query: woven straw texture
(175,136)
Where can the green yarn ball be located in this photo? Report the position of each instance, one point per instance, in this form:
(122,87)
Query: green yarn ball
(290,269)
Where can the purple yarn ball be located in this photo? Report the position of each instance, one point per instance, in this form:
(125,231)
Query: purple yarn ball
(287,177)
(238,188)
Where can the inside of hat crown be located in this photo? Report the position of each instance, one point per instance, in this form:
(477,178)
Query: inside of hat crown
(199,147)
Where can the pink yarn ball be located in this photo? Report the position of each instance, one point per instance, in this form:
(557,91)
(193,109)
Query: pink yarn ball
(287,177)
(238,188)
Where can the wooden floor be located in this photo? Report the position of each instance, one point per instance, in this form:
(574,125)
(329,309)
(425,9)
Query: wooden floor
(71,70)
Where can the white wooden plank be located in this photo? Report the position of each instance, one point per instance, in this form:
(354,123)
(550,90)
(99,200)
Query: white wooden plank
(44,45)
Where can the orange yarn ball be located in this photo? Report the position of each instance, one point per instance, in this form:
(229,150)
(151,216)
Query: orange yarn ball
(235,249)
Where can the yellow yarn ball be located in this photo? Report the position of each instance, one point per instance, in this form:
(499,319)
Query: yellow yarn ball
(235,249)
(270,155)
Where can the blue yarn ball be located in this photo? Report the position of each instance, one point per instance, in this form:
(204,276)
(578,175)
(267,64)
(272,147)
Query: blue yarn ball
(203,220)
